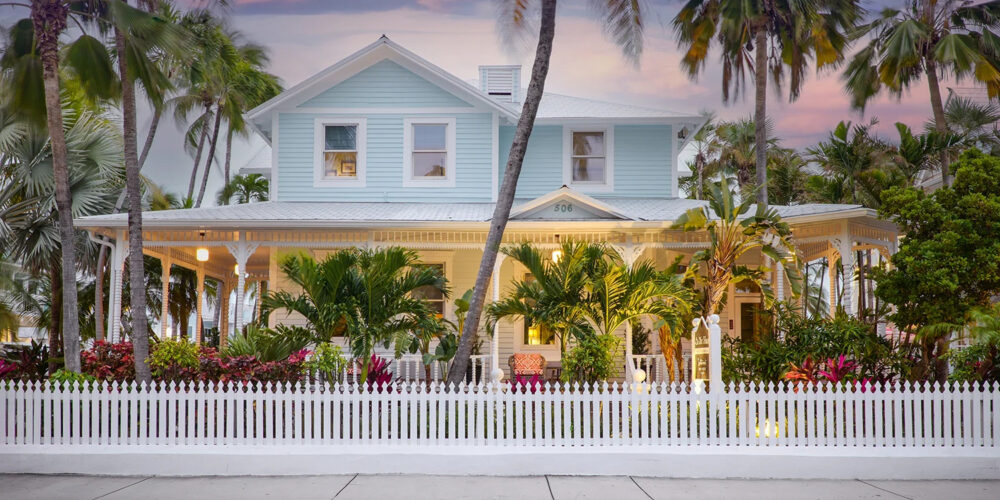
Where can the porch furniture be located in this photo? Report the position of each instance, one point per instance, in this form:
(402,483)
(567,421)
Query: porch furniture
(526,365)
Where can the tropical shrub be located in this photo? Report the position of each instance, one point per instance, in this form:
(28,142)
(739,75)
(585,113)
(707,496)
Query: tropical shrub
(798,340)
(327,360)
(266,344)
(111,362)
(25,362)
(976,363)
(65,379)
(592,359)
(379,374)
(173,359)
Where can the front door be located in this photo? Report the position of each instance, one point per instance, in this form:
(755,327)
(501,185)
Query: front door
(748,320)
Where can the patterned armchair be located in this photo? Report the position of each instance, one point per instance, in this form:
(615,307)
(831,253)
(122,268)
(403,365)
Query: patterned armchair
(526,365)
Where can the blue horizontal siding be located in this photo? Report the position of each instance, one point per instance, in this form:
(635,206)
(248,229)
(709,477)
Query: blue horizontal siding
(385,84)
(643,161)
(384,177)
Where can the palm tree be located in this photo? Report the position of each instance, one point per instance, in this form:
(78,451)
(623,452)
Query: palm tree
(733,233)
(623,21)
(365,295)
(737,146)
(921,40)
(783,35)
(919,153)
(248,188)
(248,87)
(975,122)
(37,64)
(706,145)
(554,297)
(850,155)
(786,177)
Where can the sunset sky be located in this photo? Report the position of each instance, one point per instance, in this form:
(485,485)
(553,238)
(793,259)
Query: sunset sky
(305,36)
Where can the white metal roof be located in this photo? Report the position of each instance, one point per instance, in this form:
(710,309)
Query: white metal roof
(564,106)
(355,214)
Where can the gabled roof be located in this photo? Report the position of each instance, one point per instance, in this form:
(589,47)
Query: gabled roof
(597,208)
(381,49)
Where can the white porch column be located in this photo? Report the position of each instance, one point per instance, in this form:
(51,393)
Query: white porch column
(165,309)
(846,249)
(779,281)
(496,371)
(831,270)
(241,250)
(224,288)
(629,253)
(199,322)
(117,270)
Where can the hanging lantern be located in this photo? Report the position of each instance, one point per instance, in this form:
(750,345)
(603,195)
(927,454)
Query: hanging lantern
(236,269)
(556,255)
(201,254)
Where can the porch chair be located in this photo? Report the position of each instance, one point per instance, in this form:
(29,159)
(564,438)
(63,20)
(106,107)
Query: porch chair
(526,365)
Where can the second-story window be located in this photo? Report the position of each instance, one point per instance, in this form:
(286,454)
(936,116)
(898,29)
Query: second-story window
(429,152)
(340,152)
(588,160)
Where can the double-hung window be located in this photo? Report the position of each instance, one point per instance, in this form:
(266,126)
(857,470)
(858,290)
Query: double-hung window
(340,152)
(433,295)
(429,152)
(589,163)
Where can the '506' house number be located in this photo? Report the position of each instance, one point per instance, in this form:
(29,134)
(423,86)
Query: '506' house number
(562,207)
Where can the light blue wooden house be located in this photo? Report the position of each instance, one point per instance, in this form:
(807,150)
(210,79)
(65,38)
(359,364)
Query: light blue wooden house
(385,148)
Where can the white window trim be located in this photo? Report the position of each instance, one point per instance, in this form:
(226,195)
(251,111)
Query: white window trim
(319,168)
(609,159)
(449,178)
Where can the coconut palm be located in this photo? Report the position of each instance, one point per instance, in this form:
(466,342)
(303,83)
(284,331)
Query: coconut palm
(248,188)
(735,231)
(623,21)
(704,164)
(248,87)
(850,155)
(737,147)
(783,35)
(918,153)
(927,38)
(786,178)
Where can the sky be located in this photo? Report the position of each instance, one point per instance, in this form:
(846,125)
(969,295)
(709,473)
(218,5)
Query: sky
(305,36)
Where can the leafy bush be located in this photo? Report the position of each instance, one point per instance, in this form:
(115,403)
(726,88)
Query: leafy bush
(266,344)
(767,359)
(976,363)
(328,360)
(379,374)
(25,362)
(592,359)
(172,359)
(107,361)
(65,379)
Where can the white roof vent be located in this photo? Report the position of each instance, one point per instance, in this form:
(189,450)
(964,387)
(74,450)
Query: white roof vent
(502,83)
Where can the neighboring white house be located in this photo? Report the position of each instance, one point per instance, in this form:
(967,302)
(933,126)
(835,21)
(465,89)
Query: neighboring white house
(385,148)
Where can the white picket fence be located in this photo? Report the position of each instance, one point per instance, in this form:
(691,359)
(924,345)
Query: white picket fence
(122,416)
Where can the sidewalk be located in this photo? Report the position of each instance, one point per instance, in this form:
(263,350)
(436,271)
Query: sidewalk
(31,487)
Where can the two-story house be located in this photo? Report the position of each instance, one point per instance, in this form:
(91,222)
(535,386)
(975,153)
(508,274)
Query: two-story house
(385,148)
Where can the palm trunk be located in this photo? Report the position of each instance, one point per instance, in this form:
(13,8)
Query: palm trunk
(205,117)
(136,265)
(701,179)
(211,156)
(55,315)
(157,114)
(229,152)
(505,199)
(760,112)
(937,107)
(48,19)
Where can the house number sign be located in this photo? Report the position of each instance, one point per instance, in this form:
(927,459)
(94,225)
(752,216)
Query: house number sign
(563,207)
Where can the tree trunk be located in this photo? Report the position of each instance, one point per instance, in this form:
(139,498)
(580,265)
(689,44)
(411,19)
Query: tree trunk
(229,153)
(136,265)
(102,261)
(211,156)
(760,112)
(205,117)
(157,114)
(862,299)
(506,196)
(937,107)
(700,165)
(48,19)
(55,318)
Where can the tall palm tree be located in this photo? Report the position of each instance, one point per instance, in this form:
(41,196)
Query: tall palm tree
(926,39)
(249,86)
(850,155)
(786,177)
(32,56)
(244,189)
(737,147)
(975,122)
(782,34)
(622,20)
(706,146)
(734,232)
(918,153)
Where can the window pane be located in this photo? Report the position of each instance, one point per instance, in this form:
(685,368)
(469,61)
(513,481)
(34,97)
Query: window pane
(341,137)
(434,296)
(429,137)
(588,143)
(538,335)
(588,169)
(429,164)
(341,164)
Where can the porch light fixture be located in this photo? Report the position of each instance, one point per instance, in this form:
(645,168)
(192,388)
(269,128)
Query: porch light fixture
(557,253)
(236,269)
(201,254)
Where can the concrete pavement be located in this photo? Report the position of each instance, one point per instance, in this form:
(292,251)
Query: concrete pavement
(407,487)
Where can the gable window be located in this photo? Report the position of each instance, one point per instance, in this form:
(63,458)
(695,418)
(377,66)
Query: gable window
(434,296)
(589,164)
(340,152)
(429,152)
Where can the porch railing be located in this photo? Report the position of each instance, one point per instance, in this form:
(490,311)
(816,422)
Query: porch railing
(411,368)
(656,367)
(115,416)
